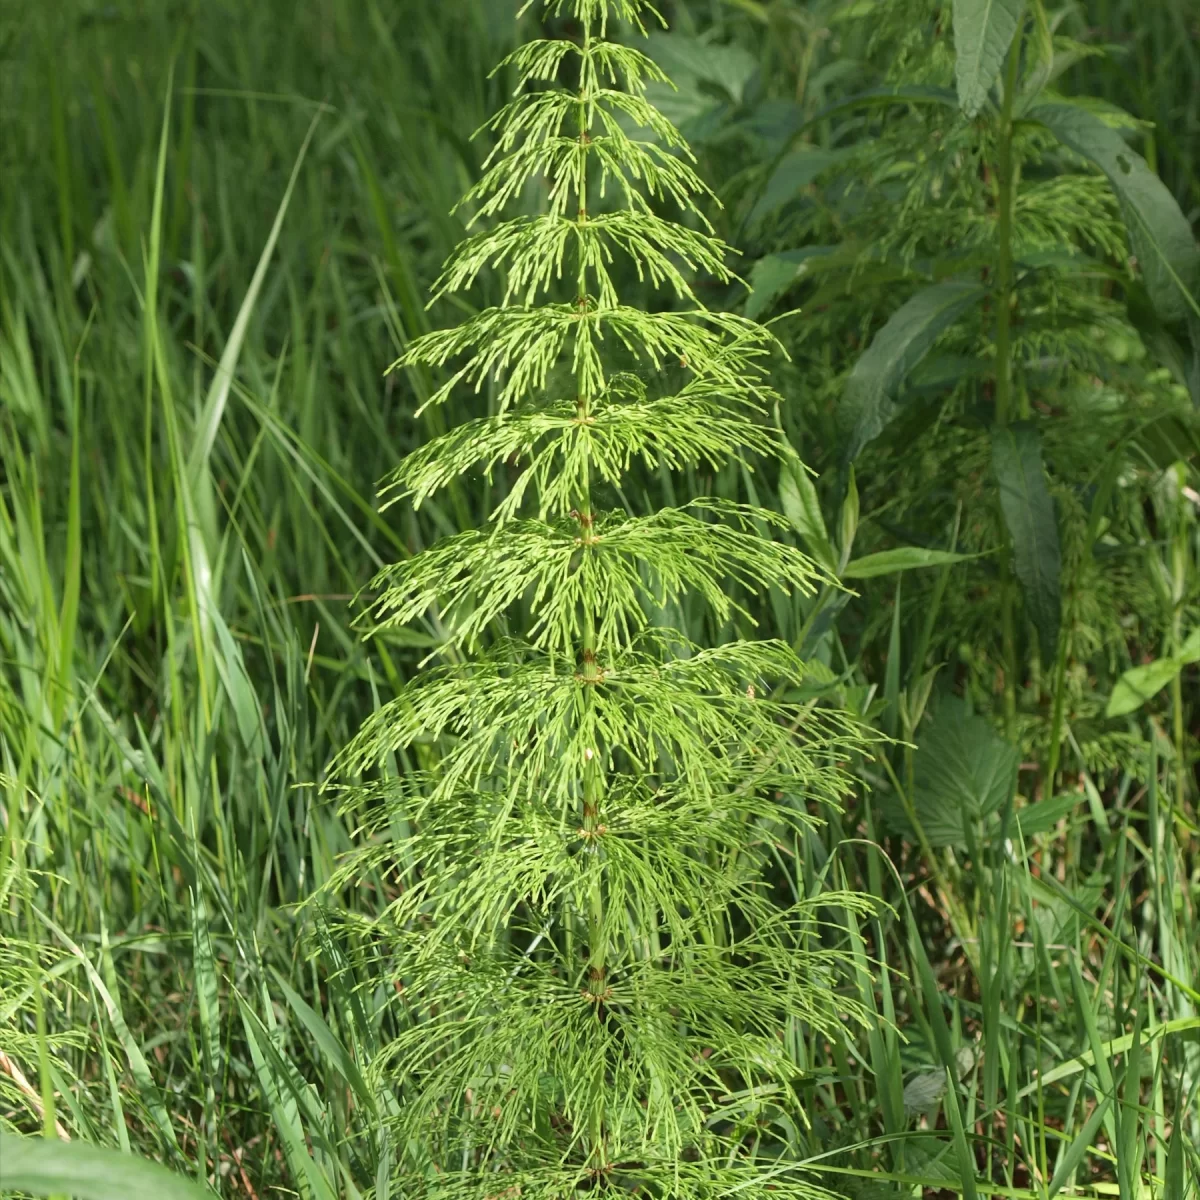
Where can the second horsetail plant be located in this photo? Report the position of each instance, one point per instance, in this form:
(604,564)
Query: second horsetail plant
(598,989)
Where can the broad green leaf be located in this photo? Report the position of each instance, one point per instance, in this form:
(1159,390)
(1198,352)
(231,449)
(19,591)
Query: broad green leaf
(802,508)
(963,771)
(1045,814)
(1189,652)
(903,558)
(1162,239)
(1033,526)
(687,59)
(795,171)
(909,334)
(46,1167)
(925,1091)
(983,32)
(695,68)
(1140,684)
(770,277)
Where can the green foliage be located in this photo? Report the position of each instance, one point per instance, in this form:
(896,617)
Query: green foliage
(580,893)
(179,541)
(1032,525)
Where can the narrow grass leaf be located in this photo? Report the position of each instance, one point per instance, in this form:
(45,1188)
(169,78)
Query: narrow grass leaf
(903,558)
(307,1175)
(208,1000)
(1075,1153)
(802,507)
(138,1067)
(334,1052)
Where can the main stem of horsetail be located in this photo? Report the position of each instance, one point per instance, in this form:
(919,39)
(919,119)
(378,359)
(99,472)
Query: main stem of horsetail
(589,673)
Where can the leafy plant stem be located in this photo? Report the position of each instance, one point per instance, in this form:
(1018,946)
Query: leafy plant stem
(1005,184)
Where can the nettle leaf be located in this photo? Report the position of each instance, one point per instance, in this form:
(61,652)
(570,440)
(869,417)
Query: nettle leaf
(702,73)
(909,334)
(924,1092)
(1162,239)
(1032,524)
(903,558)
(963,772)
(983,32)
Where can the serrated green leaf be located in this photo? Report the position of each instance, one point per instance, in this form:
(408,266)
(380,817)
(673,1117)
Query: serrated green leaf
(695,67)
(1033,526)
(687,58)
(46,1166)
(963,771)
(903,558)
(909,334)
(925,1091)
(1045,814)
(1162,239)
(983,32)
(1140,684)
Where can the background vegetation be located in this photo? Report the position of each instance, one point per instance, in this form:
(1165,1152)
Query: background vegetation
(220,221)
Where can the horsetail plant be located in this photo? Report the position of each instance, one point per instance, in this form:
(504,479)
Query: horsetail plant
(597,989)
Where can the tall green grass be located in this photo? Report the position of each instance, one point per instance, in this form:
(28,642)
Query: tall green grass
(217,223)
